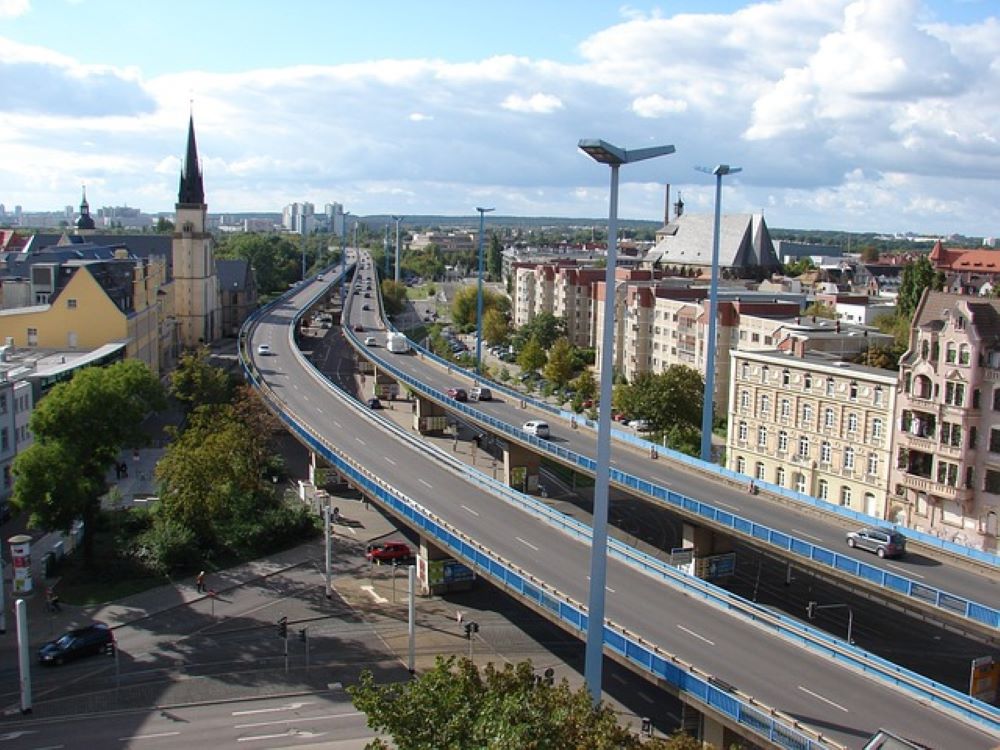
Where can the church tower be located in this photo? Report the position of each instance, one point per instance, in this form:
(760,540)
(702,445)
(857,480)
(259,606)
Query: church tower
(196,287)
(85,224)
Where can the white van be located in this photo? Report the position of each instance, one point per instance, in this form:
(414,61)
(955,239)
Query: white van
(536,427)
(480,394)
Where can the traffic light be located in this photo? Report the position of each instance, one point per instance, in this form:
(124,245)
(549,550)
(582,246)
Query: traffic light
(470,628)
(302,635)
(647,726)
(811,610)
(282,627)
(550,676)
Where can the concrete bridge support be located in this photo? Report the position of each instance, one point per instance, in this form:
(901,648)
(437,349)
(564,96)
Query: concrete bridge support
(428,416)
(520,468)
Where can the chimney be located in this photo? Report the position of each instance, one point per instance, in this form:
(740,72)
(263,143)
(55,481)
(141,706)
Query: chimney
(666,206)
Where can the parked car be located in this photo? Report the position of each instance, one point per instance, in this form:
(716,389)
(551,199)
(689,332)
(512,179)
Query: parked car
(369,341)
(389,552)
(374,403)
(95,638)
(458,394)
(263,350)
(536,427)
(642,425)
(883,542)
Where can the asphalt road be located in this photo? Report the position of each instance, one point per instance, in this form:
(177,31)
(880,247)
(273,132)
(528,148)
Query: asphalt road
(831,698)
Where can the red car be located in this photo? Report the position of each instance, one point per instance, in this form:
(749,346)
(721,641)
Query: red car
(458,394)
(389,552)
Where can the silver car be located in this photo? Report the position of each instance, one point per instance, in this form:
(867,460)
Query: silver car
(883,542)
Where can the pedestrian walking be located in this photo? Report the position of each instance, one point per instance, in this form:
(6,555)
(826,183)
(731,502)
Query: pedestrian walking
(200,581)
(52,600)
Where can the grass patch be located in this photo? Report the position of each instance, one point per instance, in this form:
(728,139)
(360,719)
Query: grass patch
(418,292)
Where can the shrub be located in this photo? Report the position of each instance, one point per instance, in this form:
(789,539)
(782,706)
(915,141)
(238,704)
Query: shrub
(168,546)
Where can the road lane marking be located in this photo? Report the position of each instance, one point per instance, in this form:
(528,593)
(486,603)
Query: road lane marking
(289,707)
(807,536)
(390,460)
(696,635)
(903,570)
(360,440)
(148,736)
(644,696)
(475,513)
(825,700)
(727,505)
(298,719)
(371,590)
(526,544)
(337,424)
(425,484)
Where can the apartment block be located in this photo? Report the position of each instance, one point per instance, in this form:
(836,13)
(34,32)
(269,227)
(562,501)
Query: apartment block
(811,422)
(946,474)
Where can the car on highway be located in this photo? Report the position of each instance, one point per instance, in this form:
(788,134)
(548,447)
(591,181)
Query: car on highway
(358,327)
(458,394)
(536,427)
(95,638)
(480,393)
(366,306)
(374,403)
(882,541)
(369,341)
(263,350)
(389,552)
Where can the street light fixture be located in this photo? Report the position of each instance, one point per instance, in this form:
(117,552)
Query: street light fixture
(604,153)
(479,293)
(713,311)
(343,257)
(397,219)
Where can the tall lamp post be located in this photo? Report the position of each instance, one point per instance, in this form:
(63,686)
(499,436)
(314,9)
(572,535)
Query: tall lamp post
(397,219)
(713,311)
(614,157)
(343,258)
(479,293)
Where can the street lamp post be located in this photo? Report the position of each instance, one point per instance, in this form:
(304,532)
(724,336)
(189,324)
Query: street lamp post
(397,219)
(713,311)
(479,293)
(614,157)
(385,250)
(343,258)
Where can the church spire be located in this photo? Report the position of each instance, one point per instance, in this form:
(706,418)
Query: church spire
(192,190)
(86,221)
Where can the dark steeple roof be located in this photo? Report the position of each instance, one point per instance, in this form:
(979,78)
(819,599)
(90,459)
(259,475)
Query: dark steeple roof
(192,190)
(86,221)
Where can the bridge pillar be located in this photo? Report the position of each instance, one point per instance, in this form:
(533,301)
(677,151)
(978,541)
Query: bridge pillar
(384,386)
(439,573)
(713,734)
(713,553)
(520,468)
(428,416)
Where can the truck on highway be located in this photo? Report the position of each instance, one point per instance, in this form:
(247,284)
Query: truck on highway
(397,342)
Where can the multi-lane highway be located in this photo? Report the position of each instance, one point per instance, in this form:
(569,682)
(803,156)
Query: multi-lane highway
(833,699)
(977,584)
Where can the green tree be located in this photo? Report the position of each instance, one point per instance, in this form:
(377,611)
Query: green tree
(393,296)
(666,400)
(869,254)
(585,385)
(496,328)
(545,327)
(465,300)
(917,276)
(532,356)
(164,226)
(196,383)
(276,259)
(799,266)
(494,257)
(80,427)
(820,310)
(559,368)
(879,356)
(455,705)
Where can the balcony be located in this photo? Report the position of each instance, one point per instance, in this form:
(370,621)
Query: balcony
(958,494)
(918,443)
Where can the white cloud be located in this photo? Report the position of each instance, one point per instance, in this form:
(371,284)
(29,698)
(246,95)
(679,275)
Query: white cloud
(14,8)
(536,103)
(419,117)
(655,105)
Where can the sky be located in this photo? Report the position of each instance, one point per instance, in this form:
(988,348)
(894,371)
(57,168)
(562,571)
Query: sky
(858,115)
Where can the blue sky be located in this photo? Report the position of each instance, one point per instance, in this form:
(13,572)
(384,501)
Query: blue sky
(845,114)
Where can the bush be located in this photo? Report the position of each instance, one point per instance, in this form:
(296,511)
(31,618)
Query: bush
(269,530)
(168,546)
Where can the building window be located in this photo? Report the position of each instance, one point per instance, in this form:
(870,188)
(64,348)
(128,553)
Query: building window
(954,394)
(824,490)
(786,378)
(873,463)
(947,473)
(803,447)
(32,337)
(991,482)
(800,482)
(825,452)
(951,434)
(786,408)
(741,432)
(996,399)
(764,372)
(71,304)
(829,386)
(828,419)
(765,406)
(854,391)
(849,458)
(852,422)
(994,440)
(745,371)
(744,400)
(950,353)
(741,465)
(807,381)
(807,415)
(759,471)
(845,496)
(782,442)
(779,476)
(877,428)
(963,355)
(879,395)
(761,437)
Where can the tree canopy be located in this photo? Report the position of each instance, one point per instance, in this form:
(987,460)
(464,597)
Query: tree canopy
(196,383)
(494,257)
(665,400)
(917,276)
(80,428)
(545,327)
(276,258)
(465,300)
(455,705)
(532,356)
(496,328)
(559,367)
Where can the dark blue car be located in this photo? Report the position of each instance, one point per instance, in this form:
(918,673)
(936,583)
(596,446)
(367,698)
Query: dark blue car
(95,638)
